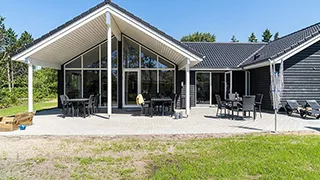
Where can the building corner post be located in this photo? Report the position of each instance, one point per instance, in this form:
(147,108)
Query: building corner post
(188,87)
(109,55)
(30,85)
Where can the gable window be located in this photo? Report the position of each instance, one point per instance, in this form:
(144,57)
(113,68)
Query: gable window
(130,54)
(86,74)
(145,72)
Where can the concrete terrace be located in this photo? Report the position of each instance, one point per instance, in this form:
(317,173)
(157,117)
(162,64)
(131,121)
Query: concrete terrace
(201,121)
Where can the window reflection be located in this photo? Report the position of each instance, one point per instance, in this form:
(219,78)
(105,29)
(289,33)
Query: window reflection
(130,54)
(104,87)
(149,83)
(73,84)
(166,80)
(164,64)
(114,52)
(148,59)
(76,63)
(91,59)
(90,83)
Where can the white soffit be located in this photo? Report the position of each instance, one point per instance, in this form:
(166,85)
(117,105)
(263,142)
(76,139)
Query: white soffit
(92,29)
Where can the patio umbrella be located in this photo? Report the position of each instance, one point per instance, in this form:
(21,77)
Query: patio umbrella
(276,88)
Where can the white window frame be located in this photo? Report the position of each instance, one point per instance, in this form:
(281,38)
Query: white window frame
(225,83)
(157,69)
(100,69)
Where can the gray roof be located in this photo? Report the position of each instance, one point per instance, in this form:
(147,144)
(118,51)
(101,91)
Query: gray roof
(224,55)
(105,2)
(284,44)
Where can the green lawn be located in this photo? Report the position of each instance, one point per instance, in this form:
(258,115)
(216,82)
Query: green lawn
(24,108)
(149,157)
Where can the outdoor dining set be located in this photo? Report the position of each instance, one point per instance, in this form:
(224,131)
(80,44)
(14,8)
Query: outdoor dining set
(79,106)
(245,104)
(159,104)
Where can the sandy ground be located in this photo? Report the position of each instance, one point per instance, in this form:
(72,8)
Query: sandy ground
(107,157)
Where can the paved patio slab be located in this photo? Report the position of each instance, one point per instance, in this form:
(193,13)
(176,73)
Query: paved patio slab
(201,121)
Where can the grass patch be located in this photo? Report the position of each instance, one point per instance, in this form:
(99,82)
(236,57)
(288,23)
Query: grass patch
(237,157)
(24,108)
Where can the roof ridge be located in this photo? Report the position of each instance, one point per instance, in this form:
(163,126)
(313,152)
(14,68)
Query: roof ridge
(225,42)
(318,23)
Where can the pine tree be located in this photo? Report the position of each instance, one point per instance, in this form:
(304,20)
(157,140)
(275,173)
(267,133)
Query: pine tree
(266,36)
(252,38)
(234,39)
(276,36)
(199,37)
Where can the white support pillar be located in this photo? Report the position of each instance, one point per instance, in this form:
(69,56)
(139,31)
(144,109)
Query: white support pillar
(188,87)
(30,85)
(108,21)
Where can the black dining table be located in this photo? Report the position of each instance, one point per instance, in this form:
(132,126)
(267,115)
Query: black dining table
(79,101)
(162,101)
(233,102)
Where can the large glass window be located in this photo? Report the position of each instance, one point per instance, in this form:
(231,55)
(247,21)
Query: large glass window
(90,83)
(131,87)
(148,59)
(91,58)
(76,63)
(130,54)
(166,80)
(164,64)
(114,51)
(149,83)
(104,87)
(91,78)
(153,75)
(73,84)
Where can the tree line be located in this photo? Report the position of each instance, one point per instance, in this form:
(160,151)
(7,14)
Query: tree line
(14,75)
(208,37)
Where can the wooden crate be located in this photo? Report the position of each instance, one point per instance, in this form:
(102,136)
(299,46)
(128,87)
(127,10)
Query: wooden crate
(13,123)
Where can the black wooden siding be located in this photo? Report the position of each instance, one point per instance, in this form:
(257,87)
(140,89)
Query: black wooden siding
(302,75)
(238,82)
(260,84)
(60,85)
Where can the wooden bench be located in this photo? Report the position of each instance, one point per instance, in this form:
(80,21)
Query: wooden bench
(13,123)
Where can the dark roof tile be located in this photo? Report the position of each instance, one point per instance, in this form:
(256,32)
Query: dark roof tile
(285,44)
(224,55)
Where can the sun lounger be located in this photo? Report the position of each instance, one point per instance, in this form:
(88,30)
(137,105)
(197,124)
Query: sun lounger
(292,106)
(312,109)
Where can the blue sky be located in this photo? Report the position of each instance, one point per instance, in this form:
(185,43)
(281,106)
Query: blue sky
(175,17)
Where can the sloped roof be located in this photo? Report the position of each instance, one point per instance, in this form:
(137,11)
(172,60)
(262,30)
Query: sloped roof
(86,13)
(284,44)
(223,55)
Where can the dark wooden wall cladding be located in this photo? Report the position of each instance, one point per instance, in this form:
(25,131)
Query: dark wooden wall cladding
(260,84)
(60,85)
(302,75)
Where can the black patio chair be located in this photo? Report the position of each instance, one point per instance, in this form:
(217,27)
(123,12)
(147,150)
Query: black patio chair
(96,103)
(221,105)
(292,106)
(258,102)
(89,105)
(145,107)
(248,105)
(315,108)
(171,105)
(67,108)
